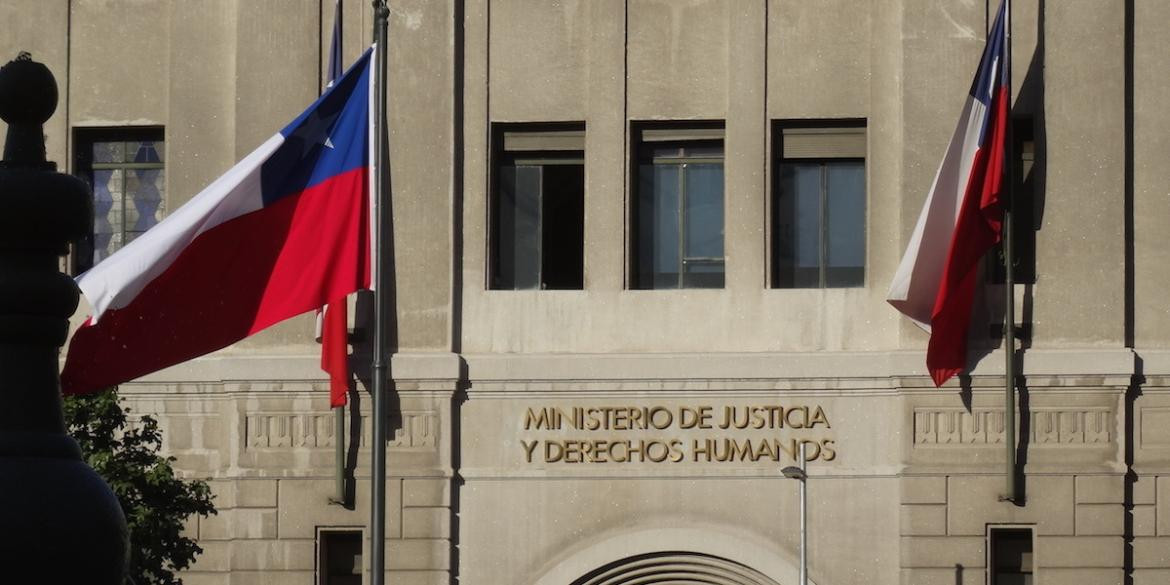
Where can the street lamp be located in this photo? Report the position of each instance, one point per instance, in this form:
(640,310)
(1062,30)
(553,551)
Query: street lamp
(799,474)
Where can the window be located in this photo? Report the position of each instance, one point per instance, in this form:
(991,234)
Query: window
(678,206)
(125,169)
(818,206)
(1009,551)
(339,557)
(538,207)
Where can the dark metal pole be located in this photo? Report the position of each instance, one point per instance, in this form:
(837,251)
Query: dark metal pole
(1009,280)
(803,516)
(381,259)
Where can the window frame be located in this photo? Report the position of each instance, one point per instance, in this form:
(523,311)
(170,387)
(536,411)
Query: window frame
(81,257)
(536,144)
(320,563)
(647,136)
(840,147)
(989,542)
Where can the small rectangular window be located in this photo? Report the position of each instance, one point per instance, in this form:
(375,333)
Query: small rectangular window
(339,557)
(1009,551)
(677,216)
(538,207)
(125,168)
(818,206)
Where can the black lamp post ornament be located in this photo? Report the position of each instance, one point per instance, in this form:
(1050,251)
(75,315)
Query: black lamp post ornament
(59,521)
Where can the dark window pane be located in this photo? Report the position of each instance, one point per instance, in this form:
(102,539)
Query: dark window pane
(845,224)
(797,226)
(563,227)
(518,217)
(340,560)
(703,264)
(1011,556)
(658,229)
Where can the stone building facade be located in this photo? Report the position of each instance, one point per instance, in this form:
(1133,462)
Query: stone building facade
(620,428)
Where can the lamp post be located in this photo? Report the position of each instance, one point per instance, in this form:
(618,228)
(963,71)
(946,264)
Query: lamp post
(798,473)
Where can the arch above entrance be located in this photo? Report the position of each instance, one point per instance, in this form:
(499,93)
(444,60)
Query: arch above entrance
(685,555)
(676,568)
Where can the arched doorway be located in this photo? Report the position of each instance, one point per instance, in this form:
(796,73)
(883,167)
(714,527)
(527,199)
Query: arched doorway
(674,568)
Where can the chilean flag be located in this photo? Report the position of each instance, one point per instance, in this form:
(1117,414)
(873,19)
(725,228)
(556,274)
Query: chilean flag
(935,283)
(283,232)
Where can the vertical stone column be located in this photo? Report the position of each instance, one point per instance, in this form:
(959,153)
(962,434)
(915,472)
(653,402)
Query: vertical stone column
(59,518)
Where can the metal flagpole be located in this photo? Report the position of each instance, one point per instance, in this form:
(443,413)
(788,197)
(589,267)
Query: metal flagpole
(1009,280)
(338,411)
(381,259)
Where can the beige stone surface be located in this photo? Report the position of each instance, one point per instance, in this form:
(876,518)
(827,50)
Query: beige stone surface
(1144,521)
(304,505)
(1151,140)
(273,555)
(1100,489)
(1163,501)
(811,78)
(1084,161)
(958,575)
(1145,489)
(1100,519)
(1150,576)
(419,554)
(924,520)
(1058,576)
(1151,553)
(541,75)
(973,502)
(272,577)
(256,493)
(943,552)
(418,577)
(426,523)
(1080,551)
(924,490)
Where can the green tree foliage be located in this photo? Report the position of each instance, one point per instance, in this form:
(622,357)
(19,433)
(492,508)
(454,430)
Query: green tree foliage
(155,501)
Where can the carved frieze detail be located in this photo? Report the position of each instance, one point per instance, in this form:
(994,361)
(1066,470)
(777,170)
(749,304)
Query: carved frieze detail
(414,431)
(985,426)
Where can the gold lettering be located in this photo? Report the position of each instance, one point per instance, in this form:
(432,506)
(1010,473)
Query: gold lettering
(538,421)
(726,418)
(600,451)
(661,417)
(829,453)
(705,417)
(529,447)
(636,420)
(818,417)
(800,423)
(659,458)
(702,447)
(758,420)
(688,418)
(621,421)
(816,451)
(592,423)
(676,451)
(553,451)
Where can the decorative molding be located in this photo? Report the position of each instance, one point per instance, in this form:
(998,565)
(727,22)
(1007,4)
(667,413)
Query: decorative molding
(985,426)
(419,431)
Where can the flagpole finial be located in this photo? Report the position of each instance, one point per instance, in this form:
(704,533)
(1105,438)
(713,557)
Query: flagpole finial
(28,97)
